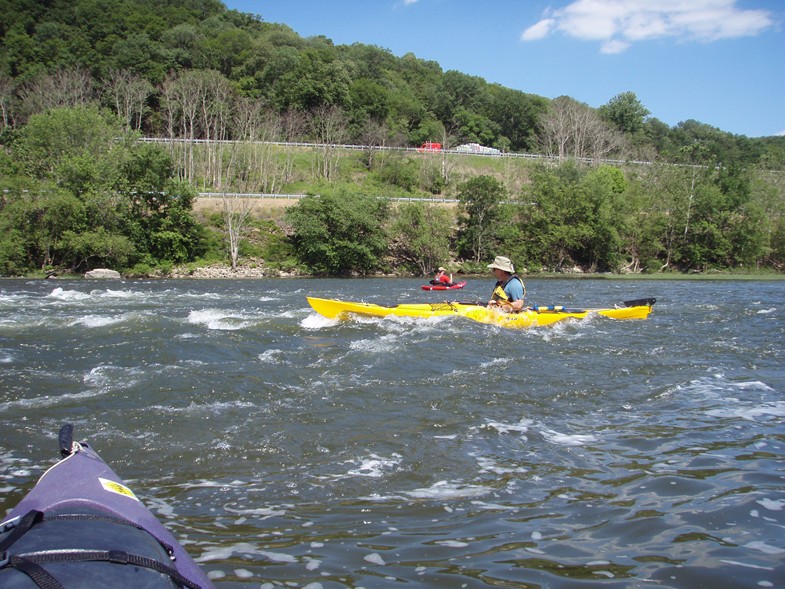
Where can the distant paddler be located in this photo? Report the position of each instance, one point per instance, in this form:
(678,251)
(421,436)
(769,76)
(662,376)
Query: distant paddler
(509,290)
(441,278)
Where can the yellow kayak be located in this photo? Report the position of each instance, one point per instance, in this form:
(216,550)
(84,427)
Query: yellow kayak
(530,317)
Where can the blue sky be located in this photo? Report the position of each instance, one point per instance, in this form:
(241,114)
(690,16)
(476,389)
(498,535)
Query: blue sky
(720,62)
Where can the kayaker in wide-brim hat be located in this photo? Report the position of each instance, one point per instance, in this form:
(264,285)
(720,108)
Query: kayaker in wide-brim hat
(509,289)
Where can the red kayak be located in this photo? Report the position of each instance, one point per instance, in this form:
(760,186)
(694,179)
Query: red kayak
(455,286)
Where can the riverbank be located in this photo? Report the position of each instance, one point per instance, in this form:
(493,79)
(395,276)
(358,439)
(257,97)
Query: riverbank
(256,269)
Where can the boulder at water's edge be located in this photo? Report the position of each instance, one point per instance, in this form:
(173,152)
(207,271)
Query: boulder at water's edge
(103,273)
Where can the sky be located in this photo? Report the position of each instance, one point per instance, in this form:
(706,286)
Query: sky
(719,62)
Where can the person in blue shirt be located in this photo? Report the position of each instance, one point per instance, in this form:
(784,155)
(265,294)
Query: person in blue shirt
(509,290)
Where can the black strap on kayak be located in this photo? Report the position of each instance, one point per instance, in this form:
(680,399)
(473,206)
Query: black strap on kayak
(30,563)
(112,520)
(23,526)
(114,556)
(36,572)
(34,517)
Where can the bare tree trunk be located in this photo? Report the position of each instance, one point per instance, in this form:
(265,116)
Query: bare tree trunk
(328,124)
(129,94)
(236,210)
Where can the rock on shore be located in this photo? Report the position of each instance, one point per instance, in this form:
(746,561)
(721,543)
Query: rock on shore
(103,273)
(225,271)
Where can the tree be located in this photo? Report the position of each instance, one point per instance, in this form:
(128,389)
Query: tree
(53,141)
(479,204)
(556,225)
(236,209)
(129,93)
(328,125)
(95,196)
(69,87)
(573,129)
(421,235)
(626,112)
(339,233)
(605,188)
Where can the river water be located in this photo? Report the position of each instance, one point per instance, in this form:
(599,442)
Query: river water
(287,450)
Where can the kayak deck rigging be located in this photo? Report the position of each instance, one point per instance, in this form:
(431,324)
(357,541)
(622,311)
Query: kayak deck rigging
(79,522)
(536,315)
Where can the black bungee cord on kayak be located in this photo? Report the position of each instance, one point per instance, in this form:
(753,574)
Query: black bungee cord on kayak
(30,562)
(73,535)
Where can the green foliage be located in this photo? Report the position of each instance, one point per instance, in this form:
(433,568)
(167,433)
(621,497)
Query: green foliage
(88,196)
(626,112)
(398,171)
(86,250)
(81,191)
(559,223)
(60,143)
(340,233)
(479,204)
(421,236)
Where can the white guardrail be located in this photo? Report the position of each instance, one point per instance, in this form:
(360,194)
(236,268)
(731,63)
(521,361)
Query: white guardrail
(387,148)
(296,196)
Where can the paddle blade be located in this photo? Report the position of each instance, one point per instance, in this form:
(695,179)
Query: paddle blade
(648,302)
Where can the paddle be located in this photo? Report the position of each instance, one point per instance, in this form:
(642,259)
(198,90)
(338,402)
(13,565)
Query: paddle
(648,302)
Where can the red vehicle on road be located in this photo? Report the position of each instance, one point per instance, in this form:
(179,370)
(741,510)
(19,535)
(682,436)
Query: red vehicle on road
(430,146)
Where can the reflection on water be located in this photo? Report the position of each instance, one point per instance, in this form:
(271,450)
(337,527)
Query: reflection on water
(286,449)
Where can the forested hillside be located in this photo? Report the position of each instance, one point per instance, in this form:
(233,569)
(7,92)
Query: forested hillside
(82,80)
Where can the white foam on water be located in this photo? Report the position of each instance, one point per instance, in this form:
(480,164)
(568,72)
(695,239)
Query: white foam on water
(271,356)
(316,321)
(385,344)
(764,410)
(218,320)
(493,506)
(375,466)
(496,362)
(109,378)
(195,408)
(99,320)
(243,573)
(771,504)
(749,566)
(505,428)
(68,295)
(765,548)
(374,558)
(444,490)
(259,512)
(97,379)
(452,543)
(491,465)
(568,439)
(242,549)
(277,556)
(116,294)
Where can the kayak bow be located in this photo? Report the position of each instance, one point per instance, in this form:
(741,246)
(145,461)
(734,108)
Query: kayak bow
(532,317)
(80,522)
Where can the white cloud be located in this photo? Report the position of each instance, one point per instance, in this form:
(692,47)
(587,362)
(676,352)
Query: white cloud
(619,23)
(409,2)
(538,31)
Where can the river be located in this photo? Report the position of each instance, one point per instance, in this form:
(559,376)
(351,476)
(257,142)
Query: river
(287,450)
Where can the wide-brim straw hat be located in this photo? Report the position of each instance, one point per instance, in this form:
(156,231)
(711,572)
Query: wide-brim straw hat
(503,264)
